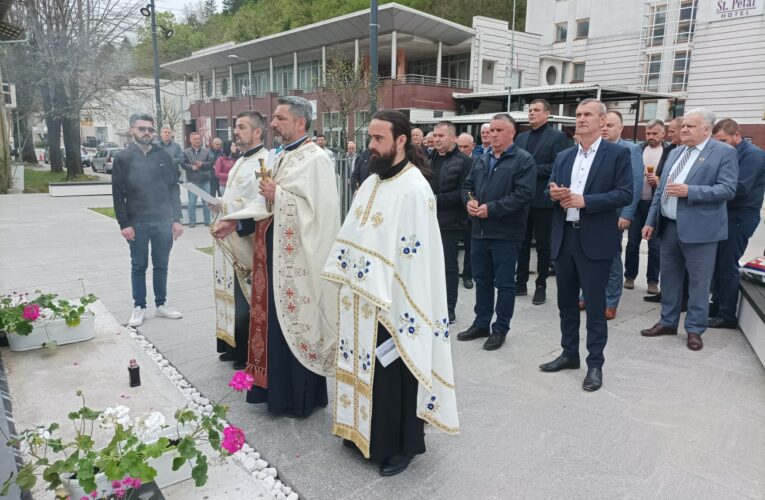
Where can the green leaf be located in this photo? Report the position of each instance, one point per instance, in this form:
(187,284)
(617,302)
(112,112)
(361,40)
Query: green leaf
(89,414)
(6,485)
(187,448)
(178,462)
(23,328)
(26,478)
(199,471)
(214,438)
(84,442)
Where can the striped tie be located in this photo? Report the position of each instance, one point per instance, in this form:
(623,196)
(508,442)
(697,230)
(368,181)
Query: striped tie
(676,173)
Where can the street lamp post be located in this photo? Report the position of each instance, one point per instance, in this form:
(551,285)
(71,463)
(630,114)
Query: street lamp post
(373,28)
(150,11)
(511,69)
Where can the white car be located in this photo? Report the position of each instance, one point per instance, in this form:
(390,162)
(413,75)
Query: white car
(102,161)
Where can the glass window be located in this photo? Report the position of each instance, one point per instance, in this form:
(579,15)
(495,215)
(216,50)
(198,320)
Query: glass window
(260,83)
(687,21)
(680,70)
(241,83)
(578,72)
(362,120)
(224,87)
(658,25)
(221,128)
(652,72)
(208,88)
(455,70)
(283,79)
(551,76)
(561,32)
(332,127)
(422,70)
(649,110)
(582,28)
(308,75)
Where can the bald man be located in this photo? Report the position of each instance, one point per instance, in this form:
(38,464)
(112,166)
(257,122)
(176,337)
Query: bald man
(465,143)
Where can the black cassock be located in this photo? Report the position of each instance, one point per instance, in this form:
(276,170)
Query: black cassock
(293,389)
(395,425)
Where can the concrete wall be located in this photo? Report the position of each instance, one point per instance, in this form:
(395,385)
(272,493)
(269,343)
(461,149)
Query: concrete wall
(492,43)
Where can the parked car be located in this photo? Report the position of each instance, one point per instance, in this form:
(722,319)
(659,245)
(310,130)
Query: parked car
(102,161)
(87,156)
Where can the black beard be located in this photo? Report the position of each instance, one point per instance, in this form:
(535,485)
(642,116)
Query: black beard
(142,141)
(379,163)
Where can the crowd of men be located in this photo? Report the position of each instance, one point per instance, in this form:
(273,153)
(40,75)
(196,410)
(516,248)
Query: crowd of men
(300,298)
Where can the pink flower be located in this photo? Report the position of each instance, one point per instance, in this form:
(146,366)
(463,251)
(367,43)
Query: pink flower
(119,492)
(94,494)
(85,498)
(31,312)
(241,381)
(233,439)
(116,484)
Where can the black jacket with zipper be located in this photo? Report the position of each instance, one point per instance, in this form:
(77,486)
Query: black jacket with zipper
(449,173)
(507,192)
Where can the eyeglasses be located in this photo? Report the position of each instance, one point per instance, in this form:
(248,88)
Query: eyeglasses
(143,130)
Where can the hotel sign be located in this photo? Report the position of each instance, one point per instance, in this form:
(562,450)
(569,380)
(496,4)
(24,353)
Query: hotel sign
(723,10)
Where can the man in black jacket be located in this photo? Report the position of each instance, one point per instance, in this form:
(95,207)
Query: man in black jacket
(544,143)
(360,169)
(198,163)
(450,168)
(497,193)
(147,204)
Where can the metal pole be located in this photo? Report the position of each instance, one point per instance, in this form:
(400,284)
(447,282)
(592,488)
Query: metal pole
(637,120)
(512,60)
(156,64)
(373,27)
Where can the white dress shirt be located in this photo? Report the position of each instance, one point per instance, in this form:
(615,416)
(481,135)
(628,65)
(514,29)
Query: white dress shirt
(669,208)
(579,174)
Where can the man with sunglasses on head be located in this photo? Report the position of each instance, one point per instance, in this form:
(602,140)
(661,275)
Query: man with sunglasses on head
(147,204)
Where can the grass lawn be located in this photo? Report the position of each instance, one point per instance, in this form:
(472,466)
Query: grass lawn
(207,250)
(36,181)
(107,211)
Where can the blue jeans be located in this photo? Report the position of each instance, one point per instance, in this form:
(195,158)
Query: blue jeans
(193,204)
(632,253)
(725,281)
(615,283)
(493,262)
(160,235)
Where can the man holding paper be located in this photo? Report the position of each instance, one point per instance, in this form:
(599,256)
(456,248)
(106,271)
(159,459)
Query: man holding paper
(292,311)
(233,251)
(394,362)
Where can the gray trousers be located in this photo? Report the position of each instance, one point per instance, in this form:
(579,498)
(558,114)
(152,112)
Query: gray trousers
(676,257)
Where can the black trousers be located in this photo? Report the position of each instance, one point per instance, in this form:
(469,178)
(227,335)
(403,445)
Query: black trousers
(538,225)
(467,271)
(395,425)
(451,240)
(241,326)
(574,271)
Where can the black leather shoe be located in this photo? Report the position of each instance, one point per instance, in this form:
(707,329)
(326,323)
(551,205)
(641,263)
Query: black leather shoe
(227,356)
(494,341)
(721,323)
(467,283)
(653,298)
(239,365)
(395,464)
(348,443)
(593,380)
(520,290)
(452,316)
(472,333)
(540,296)
(562,362)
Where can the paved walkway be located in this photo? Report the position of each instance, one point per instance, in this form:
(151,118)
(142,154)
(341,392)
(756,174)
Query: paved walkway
(668,423)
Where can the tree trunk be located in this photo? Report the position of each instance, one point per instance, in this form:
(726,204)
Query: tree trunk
(25,102)
(53,122)
(71,128)
(28,154)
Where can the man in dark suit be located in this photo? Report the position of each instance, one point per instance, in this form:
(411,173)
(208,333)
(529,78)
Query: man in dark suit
(589,184)
(743,218)
(544,143)
(689,216)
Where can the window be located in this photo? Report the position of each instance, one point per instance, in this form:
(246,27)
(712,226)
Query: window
(578,75)
(224,87)
(677,109)
(221,128)
(487,72)
(283,79)
(680,70)
(422,67)
(649,110)
(241,83)
(456,68)
(361,123)
(582,28)
(658,25)
(687,21)
(652,72)
(309,75)
(259,83)
(208,88)
(332,127)
(551,76)
(561,32)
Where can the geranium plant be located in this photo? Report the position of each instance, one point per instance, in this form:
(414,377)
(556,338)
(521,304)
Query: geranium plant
(18,314)
(132,444)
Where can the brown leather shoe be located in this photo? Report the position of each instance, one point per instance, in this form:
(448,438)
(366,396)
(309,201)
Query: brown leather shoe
(657,330)
(581,305)
(610,313)
(694,342)
(629,283)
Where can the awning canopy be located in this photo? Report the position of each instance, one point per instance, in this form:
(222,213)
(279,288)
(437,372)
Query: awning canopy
(566,94)
(518,116)
(391,17)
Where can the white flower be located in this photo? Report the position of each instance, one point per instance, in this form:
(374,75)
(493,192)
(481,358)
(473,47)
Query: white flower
(119,415)
(43,433)
(149,424)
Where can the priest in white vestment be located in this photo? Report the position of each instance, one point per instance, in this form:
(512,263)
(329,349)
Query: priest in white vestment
(233,253)
(293,311)
(394,363)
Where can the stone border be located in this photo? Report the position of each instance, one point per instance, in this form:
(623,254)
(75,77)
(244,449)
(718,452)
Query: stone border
(247,458)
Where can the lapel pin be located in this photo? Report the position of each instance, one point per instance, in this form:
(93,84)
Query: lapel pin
(701,158)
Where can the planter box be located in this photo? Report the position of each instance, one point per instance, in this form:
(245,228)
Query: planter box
(166,476)
(95,188)
(103,486)
(54,330)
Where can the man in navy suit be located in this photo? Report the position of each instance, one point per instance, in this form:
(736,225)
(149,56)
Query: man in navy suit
(544,143)
(689,216)
(743,219)
(589,184)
